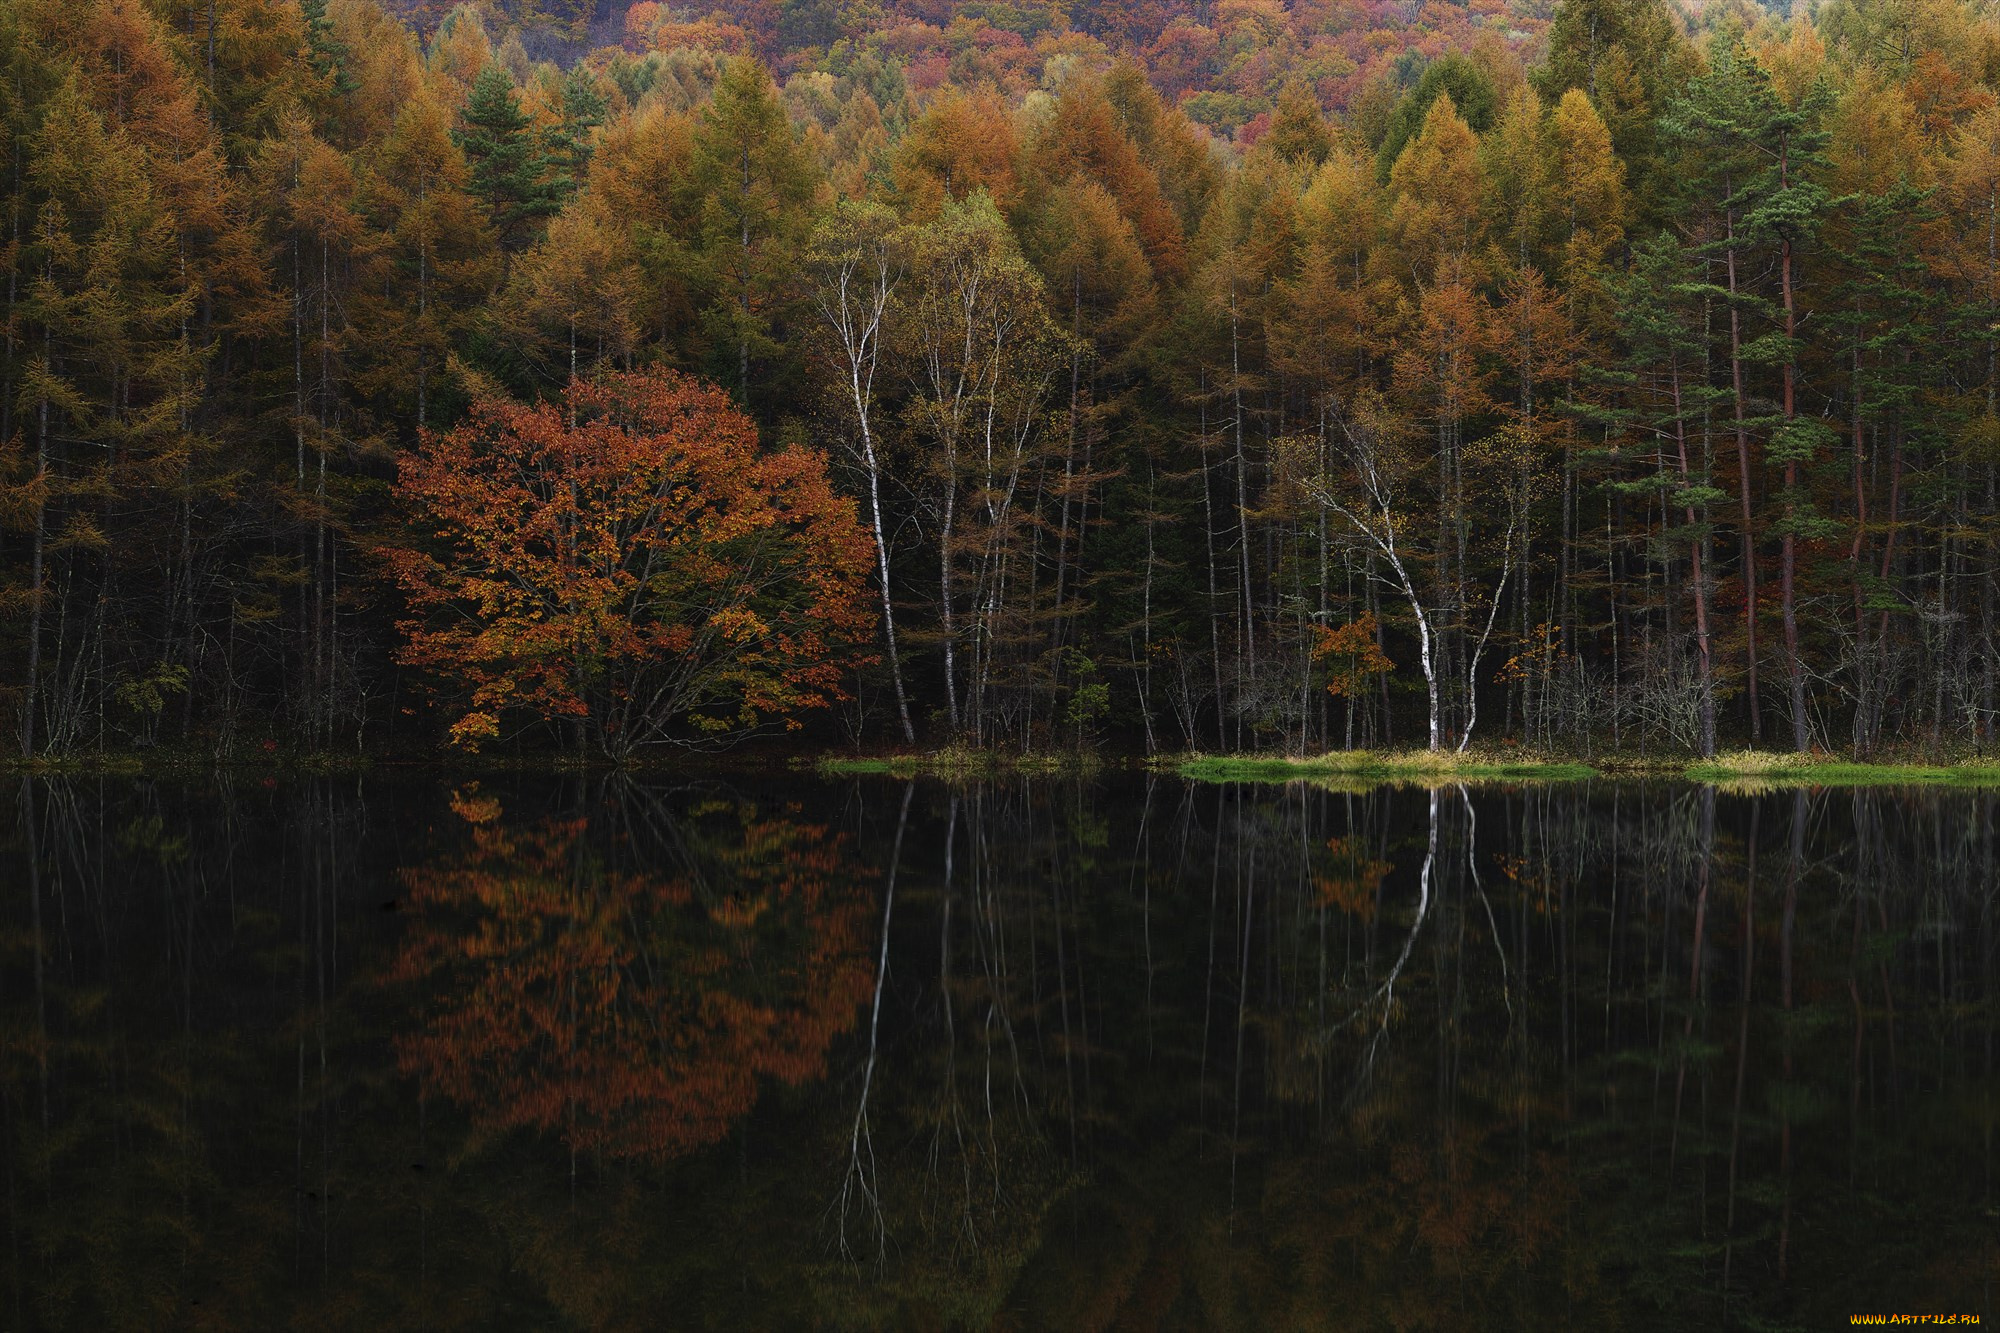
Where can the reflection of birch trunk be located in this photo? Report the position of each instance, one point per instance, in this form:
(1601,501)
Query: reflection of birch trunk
(990,940)
(1248,876)
(859,1189)
(1472,869)
(1385,994)
(1208,977)
(949,1086)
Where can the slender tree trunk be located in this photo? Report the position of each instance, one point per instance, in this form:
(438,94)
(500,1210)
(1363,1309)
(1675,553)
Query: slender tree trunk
(1988,649)
(946,536)
(1248,658)
(1794,665)
(1146,621)
(1698,578)
(743,290)
(1864,667)
(1893,521)
(37,572)
(1214,589)
(299,417)
(13,292)
(1743,485)
(862,349)
(882,573)
(322,621)
(1069,461)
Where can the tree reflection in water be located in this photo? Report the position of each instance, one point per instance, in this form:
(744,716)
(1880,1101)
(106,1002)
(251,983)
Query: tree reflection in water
(624,980)
(1014,1054)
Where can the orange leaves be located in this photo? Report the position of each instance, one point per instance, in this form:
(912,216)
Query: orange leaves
(1437,184)
(962,144)
(571,987)
(1352,654)
(1351,878)
(630,560)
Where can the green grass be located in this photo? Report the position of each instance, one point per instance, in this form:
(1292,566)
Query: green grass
(832,767)
(1366,766)
(1743,771)
(1749,769)
(170,762)
(961,762)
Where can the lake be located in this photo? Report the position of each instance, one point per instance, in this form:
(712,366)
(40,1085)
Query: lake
(415,1051)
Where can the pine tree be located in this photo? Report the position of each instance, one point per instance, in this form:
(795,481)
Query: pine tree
(510,172)
(1710,132)
(1670,401)
(573,140)
(1454,79)
(1787,209)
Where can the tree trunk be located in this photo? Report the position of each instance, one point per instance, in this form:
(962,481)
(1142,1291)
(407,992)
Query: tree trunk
(1247,659)
(1743,486)
(37,574)
(1698,578)
(1794,666)
(945,595)
(1214,589)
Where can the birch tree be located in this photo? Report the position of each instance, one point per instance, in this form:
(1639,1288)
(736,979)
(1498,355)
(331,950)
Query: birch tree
(856,268)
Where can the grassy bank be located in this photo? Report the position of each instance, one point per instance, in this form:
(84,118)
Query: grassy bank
(1380,766)
(1760,768)
(1745,769)
(1742,770)
(169,762)
(960,763)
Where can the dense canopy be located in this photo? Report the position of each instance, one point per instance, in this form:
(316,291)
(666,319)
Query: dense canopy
(1622,378)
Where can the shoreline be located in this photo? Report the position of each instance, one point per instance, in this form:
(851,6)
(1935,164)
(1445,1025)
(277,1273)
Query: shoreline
(1745,769)
(1738,770)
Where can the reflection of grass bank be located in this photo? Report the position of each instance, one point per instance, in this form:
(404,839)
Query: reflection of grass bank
(961,762)
(165,762)
(1380,766)
(1760,768)
(1743,771)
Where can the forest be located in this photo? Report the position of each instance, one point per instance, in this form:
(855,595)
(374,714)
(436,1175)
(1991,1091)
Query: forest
(1232,376)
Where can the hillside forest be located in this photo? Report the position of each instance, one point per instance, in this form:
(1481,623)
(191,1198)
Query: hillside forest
(1228,376)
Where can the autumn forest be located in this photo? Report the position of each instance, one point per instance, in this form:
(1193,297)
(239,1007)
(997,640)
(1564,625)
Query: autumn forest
(1231,376)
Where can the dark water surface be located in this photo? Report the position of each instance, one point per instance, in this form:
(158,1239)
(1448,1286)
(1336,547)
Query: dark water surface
(404,1052)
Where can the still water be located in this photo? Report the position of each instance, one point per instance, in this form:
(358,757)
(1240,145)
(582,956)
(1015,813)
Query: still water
(1127,1053)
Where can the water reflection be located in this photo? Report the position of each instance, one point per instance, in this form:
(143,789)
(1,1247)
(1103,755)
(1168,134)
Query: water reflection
(624,977)
(1019,1054)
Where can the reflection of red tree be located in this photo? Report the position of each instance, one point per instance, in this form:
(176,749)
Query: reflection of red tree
(631,1011)
(1351,878)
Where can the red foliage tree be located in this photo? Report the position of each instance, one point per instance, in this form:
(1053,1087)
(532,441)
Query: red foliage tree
(629,562)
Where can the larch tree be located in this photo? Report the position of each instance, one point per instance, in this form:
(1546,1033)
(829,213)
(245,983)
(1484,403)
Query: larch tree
(961,144)
(572,304)
(440,259)
(755,185)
